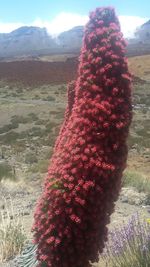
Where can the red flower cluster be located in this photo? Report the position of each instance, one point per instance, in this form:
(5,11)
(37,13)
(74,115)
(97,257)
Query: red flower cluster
(84,177)
(71,96)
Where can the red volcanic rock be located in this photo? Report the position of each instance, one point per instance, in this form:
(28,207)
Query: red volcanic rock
(37,72)
(84,177)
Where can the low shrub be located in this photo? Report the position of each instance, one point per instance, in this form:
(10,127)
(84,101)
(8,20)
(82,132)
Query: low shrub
(9,138)
(5,171)
(18,119)
(62,89)
(6,128)
(129,245)
(137,180)
(35,131)
(30,158)
(32,117)
(41,166)
(49,98)
(19,147)
(50,125)
(40,122)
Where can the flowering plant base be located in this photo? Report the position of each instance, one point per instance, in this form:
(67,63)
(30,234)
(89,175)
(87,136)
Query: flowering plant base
(84,177)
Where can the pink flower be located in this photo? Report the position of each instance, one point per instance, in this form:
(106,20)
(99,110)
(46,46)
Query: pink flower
(50,240)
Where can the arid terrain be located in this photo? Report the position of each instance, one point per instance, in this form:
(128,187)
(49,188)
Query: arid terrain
(38,72)
(32,105)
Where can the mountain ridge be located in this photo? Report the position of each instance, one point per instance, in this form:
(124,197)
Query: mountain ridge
(31,41)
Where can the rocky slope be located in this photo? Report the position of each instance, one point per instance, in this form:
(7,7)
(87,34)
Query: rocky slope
(143,33)
(140,45)
(33,41)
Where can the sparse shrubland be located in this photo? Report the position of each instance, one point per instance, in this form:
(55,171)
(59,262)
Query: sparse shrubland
(8,127)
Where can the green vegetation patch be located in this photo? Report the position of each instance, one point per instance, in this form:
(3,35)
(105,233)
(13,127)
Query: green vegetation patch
(41,166)
(136,179)
(30,158)
(6,171)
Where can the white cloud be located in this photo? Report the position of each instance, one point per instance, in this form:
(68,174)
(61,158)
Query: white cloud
(8,27)
(65,21)
(130,23)
(62,22)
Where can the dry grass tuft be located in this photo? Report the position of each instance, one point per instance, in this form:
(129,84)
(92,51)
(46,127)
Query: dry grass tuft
(139,66)
(12,235)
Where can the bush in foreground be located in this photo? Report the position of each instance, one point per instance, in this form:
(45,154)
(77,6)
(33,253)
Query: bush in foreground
(130,245)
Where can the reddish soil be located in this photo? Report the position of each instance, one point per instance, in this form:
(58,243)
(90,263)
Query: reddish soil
(38,72)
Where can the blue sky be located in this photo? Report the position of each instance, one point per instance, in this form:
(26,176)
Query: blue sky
(59,15)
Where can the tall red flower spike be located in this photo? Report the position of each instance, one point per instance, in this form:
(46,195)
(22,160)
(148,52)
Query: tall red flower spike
(84,177)
(71,96)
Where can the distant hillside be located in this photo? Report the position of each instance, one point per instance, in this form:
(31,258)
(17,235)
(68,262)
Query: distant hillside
(143,33)
(24,41)
(71,40)
(34,42)
(140,45)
